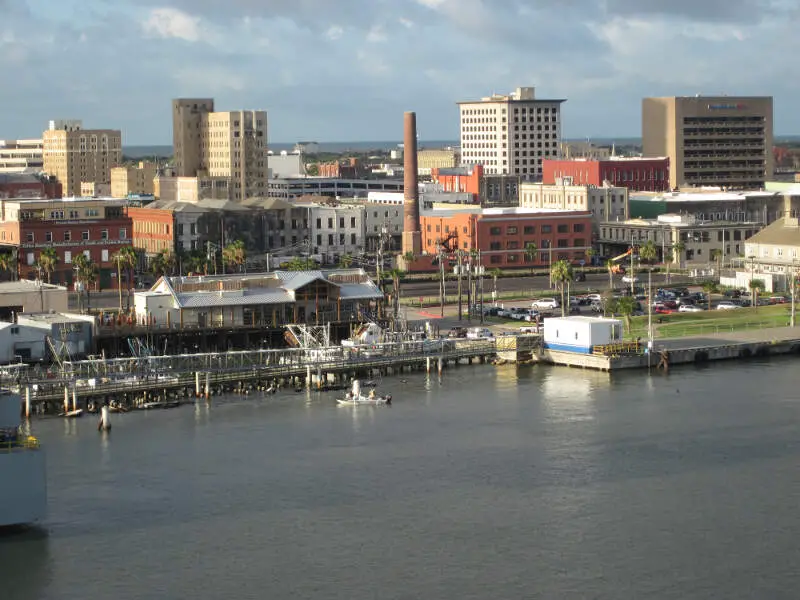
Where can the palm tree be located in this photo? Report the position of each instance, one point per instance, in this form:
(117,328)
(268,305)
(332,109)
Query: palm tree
(162,263)
(756,287)
(7,263)
(710,287)
(648,253)
(298,263)
(345,261)
(668,258)
(495,273)
(48,259)
(716,256)
(561,272)
(531,253)
(625,307)
(234,255)
(678,249)
(409,257)
(124,259)
(610,264)
(397,275)
(86,272)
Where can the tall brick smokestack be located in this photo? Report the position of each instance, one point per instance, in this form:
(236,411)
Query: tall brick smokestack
(412,239)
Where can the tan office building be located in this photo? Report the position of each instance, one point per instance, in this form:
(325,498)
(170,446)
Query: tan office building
(74,155)
(436,159)
(133,180)
(721,141)
(230,146)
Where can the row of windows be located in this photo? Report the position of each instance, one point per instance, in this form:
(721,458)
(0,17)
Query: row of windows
(497,259)
(68,237)
(342,238)
(540,244)
(66,258)
(341,222)
(530,229)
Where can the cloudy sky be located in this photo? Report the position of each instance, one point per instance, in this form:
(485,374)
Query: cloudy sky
(345,70)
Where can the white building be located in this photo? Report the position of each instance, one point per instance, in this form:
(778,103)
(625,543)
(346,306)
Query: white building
(510,134)
(21,156)
(580,334)
(607,203)
(285,165)
(336,230)
(379,218)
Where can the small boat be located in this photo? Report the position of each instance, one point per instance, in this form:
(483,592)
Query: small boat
(355,398)
(72,414)
(160,404)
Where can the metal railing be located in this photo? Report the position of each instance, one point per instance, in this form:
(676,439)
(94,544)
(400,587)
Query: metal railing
(19,444)
(618,349)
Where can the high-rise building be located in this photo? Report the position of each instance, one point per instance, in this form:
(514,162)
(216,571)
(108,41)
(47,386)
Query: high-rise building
(133,180)
(723,141)
(510,134)
(229,148)
(74,155)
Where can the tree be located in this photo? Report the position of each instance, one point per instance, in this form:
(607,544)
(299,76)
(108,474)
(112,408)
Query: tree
(397,275)
(677,250)
(86,273)
(48,259)
(7,263)
(710,287)
(234,255)
(668,258)
(756,287)
(409,257)
(162,263)
(298,263)
(124,259)
(561,272)
(625,307)
(716,256)
(590,254)
(345,261)
(531,253)
(495,273)
(648,252)
(610,264)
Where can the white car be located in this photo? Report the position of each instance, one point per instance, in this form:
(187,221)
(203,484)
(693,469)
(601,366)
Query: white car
(725,305)
(545,303)
(630,279)
(689,308)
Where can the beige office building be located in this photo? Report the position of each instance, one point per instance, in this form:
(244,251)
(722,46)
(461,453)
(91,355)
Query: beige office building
(133,180)
(606,203)
(230,146)
(436,159)
(20,156)
(74,154)
(723,141)
(510,134)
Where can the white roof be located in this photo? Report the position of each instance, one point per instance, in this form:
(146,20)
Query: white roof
(707,196)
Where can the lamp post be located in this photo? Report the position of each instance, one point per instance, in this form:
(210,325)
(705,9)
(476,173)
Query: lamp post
(793,284)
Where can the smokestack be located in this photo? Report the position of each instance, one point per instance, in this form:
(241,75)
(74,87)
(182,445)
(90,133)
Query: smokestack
(412,241)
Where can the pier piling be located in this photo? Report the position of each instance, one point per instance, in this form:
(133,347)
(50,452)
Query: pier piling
(66,399)
(197,384)
(28,402)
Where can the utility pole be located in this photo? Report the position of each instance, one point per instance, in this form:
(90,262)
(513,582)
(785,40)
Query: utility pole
(633,275)
(793,284)
(469,290)
(480,274)
(441,285)
(650,314)
(460,267)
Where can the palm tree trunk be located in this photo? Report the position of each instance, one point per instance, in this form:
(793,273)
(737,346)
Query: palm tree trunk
(119,285)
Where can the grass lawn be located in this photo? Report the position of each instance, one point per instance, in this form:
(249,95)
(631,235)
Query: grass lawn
(712,321)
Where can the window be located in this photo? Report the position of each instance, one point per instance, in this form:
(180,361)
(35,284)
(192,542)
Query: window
(104,255)
(563,228)
(529,230)
(341,239)
(494,245)
(67,236)
(513,245)
(29,236)
(547,228)
(353,223)
(511,230)
(48,236)
(330,222)
(562,244)
(104,234)
(494,231)
(29,258)
(87,254)
(85,236)
(579,242)
(67,257)
(495,259)
(330,239)
(123,234)
(578,228)
(353,239)
(512,258)
(341,222)
(319,223)
(319,239)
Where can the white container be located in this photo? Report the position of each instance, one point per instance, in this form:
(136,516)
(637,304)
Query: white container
(580,334)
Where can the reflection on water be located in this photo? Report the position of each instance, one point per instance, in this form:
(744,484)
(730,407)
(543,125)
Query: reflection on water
(25,563)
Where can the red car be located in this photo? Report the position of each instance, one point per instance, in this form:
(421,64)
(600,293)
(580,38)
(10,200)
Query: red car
(662,310)
(670,304)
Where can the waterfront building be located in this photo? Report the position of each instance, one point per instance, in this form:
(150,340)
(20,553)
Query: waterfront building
(260,299)
(772,255)
(133,180)
(29,186)
(95,227)
(502,234)
(606,202)
(230,146)
(711,140)
(636,174)
(74,155)
(21,156)
(510,134)
(25,296)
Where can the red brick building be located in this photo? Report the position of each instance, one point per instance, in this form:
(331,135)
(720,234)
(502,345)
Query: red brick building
(349,169)
(13,185)
(464,180)
(636,174)
(153,229)
(95,227)
(501,234)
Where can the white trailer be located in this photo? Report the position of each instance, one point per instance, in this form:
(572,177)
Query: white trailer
(580,334)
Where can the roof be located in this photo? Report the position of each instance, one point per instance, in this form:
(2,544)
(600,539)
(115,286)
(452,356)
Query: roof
(711,195)
(25,285)
(778,234)
(276,287)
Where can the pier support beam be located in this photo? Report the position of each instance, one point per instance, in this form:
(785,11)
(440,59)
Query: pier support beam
(28,402)
(440,365)
(197,384)
(208,385)
(428,364)
(308,377)
(66,399)
(74,398)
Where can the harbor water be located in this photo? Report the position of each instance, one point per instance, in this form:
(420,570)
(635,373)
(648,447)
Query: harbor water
(530,482)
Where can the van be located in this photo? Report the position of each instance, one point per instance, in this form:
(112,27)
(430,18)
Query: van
(479,333)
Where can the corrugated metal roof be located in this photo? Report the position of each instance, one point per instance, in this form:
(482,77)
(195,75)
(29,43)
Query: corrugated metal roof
(203,299)
(302,278)
(359,291)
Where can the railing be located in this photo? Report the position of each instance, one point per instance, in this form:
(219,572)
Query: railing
(21,443)
(618,349)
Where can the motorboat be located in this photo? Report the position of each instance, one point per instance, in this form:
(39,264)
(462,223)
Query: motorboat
(22,468)
(355,398)
(72,414)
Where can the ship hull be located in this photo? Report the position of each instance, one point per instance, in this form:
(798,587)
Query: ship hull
(23,487)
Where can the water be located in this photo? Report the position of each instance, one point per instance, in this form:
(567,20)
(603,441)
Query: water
(498,483)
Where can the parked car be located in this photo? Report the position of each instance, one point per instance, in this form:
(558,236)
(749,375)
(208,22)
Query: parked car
(630,279)
(518,313)
(479,333)
(545,304)
(727,305)
(662,310)
(457,332)
(530,329)
(594,298)
(689,308)
(491,311)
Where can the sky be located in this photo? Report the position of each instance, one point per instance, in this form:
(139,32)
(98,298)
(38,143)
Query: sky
(346,70)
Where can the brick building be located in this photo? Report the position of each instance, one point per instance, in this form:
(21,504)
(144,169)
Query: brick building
(489,189)
(153,229)
(636,174)
(95,227)
(501,234)
(29,186)
(348,169)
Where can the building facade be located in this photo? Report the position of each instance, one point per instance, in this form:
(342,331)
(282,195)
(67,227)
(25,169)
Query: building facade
(73,155)
(711,140)
(21,156)
(606,203)
(96,228)
(383,220)
(586,150)
(636,174)
(29,186)
(133,180)
(229,146)
(350,168)
(336,230)
(489,190)
(502,235)
(510,134)
(429,159)
(153,229)
(294,187)
(90,189)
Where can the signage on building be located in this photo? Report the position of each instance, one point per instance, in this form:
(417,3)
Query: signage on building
(727,106)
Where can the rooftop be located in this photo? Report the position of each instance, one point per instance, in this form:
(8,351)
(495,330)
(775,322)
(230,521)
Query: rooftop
(783,232)
(25,286)
(495,211)
(702,195)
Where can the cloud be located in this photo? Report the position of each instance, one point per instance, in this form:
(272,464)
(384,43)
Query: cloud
(334,32)
(172,23)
